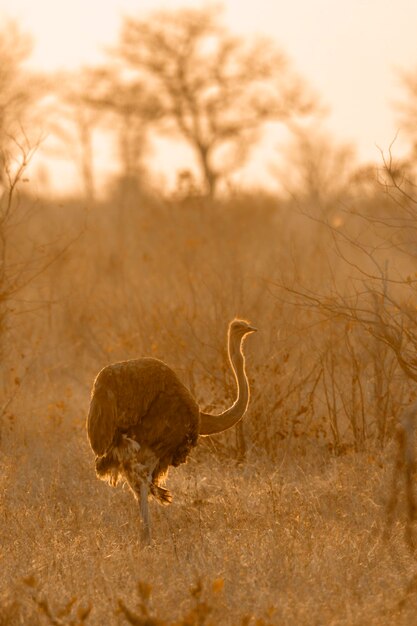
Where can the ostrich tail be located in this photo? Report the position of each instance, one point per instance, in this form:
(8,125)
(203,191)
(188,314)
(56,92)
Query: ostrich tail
(107,469)
(102,420)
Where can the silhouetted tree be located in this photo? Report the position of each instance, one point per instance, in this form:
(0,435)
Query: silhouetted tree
(407,109)
(18,92)
(214,89)
(102,98)
(128,108)
(73,119)
(317,171)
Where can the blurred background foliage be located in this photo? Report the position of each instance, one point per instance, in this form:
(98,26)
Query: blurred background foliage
(325,266)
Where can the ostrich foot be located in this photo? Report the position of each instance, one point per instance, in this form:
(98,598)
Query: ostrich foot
(161,494)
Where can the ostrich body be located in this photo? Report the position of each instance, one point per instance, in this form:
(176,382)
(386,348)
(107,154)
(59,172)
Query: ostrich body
(142,419)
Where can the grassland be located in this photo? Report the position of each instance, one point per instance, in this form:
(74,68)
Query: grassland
(290,529)
(298,543)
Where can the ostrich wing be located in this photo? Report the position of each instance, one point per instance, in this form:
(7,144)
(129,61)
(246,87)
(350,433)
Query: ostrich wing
(141,396)
(102,418)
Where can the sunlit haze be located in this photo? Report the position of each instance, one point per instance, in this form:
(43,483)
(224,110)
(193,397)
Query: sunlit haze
(349,52)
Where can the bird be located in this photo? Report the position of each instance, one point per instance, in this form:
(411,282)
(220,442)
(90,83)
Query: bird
(142,419)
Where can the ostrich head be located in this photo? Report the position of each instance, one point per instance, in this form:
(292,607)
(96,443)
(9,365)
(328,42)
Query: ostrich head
(238,329)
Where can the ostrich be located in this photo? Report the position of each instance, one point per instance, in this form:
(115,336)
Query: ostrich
(142,419)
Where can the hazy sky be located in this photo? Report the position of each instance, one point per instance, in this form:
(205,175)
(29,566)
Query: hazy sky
(349,51)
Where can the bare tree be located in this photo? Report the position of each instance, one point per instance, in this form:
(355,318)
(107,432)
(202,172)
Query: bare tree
(215,90)
(19,91)
(23,258)
(317,171)
(73,121)
(376,294)
(128,107)
(407,109)
(12,275)
(103,100)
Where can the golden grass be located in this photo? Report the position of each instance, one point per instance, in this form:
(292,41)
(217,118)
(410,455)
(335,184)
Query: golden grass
(296,534)
(302,543)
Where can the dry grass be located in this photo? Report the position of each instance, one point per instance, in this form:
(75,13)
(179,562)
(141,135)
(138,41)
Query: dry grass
(299,543)
(296,534)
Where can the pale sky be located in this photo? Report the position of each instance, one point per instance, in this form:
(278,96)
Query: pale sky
(349,51)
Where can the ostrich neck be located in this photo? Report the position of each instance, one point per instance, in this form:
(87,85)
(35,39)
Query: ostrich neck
(210,424)
(238,408)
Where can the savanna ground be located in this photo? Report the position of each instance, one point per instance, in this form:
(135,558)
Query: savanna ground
(285,521)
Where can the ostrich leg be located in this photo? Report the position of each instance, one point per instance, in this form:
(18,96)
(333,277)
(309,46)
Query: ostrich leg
(138,465)
(138,479)
(144,513)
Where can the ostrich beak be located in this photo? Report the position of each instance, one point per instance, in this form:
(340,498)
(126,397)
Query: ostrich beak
(252,329)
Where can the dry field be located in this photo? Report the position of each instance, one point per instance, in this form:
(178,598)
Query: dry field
(291,528)
(301,542)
